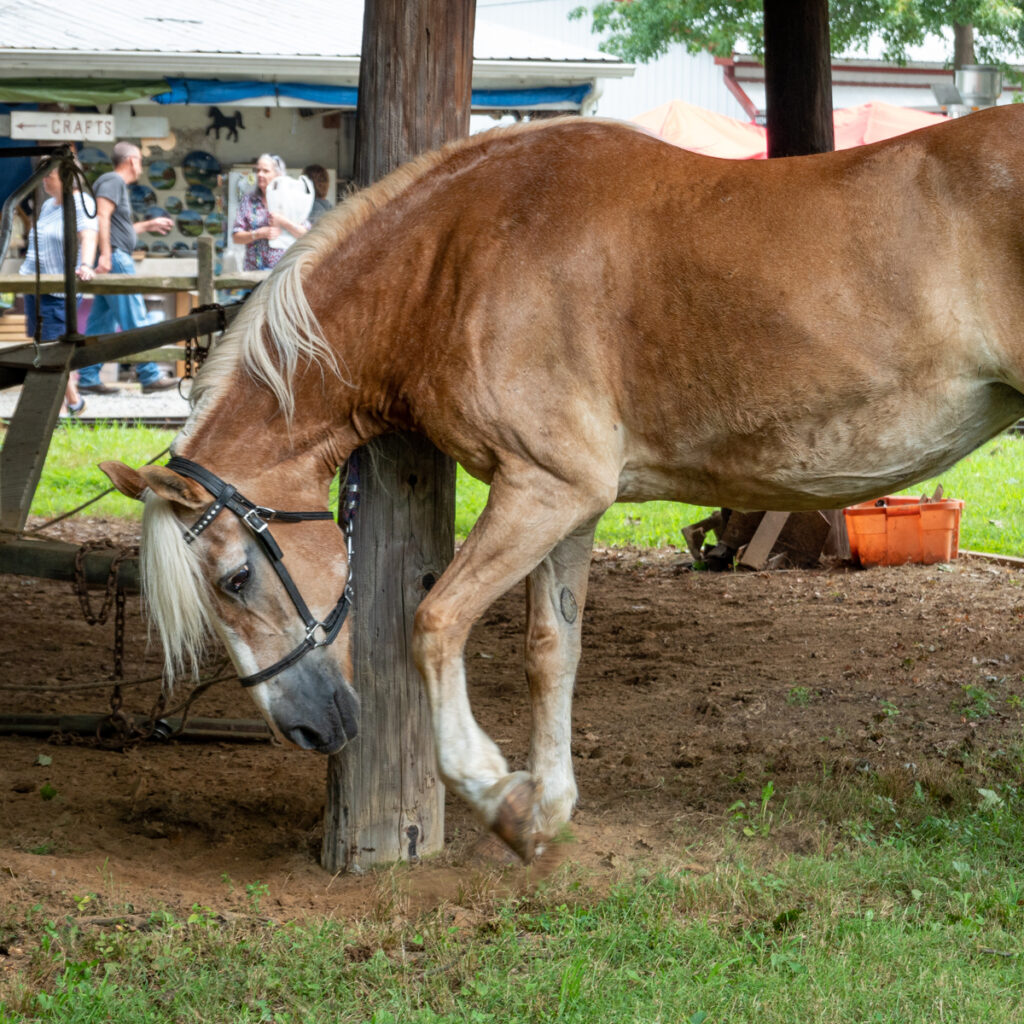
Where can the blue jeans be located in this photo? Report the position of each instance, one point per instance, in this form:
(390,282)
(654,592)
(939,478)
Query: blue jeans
(112,312)
(54,322)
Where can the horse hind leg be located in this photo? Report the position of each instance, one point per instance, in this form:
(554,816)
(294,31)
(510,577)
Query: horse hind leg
(556,592)
(524,520)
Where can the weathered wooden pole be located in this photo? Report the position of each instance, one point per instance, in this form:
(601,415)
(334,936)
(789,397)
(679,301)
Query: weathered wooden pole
(798,95)
(384,799)
(798,77)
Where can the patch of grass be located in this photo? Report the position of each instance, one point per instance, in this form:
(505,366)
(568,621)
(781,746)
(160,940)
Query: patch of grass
(990,482)
(72,476)
(922,921)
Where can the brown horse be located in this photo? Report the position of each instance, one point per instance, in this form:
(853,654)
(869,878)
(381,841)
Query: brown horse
(579,314)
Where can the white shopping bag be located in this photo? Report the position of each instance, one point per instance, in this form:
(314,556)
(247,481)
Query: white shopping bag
(291,198)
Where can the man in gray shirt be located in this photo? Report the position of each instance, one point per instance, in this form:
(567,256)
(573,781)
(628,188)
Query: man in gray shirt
(117,237)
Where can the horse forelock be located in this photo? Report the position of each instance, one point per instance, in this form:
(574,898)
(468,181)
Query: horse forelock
(176,595)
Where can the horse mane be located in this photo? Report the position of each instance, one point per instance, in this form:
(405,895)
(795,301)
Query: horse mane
(277,331)
(176,595)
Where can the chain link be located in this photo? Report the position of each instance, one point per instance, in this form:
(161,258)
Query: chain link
(81,585)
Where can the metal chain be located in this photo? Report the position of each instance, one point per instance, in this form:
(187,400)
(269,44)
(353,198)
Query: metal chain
(195,351)
(81,586)
(119,602)
(156,725)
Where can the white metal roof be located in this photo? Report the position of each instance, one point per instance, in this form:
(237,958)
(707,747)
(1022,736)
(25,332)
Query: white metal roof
(247,38)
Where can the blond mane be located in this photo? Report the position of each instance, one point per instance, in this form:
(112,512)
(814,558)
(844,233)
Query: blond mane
(176,595)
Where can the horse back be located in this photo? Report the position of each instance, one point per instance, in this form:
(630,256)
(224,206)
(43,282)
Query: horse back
(590,279)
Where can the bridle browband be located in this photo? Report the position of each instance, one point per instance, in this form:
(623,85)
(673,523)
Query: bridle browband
(256,517)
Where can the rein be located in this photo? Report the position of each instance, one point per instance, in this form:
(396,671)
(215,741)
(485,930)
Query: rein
(256,517)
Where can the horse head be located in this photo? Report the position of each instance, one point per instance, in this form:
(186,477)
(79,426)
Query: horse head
(203,569)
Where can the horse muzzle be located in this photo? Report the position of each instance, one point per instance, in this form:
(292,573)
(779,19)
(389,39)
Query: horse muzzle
(312,706)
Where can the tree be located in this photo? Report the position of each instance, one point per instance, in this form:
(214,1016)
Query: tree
(641,30)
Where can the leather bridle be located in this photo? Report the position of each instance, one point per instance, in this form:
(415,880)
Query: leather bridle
(256,517)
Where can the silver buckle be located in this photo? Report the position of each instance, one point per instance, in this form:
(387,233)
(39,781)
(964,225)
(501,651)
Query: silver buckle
(254,522)
(312,629)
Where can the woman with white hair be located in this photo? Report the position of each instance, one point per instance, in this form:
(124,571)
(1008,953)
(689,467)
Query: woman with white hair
(255,226)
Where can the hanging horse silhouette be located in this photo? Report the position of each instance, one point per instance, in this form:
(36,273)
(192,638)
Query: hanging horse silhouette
(579,314)
(219,120)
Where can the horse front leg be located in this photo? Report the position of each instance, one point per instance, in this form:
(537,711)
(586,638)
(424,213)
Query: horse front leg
(523,521)
(556,593)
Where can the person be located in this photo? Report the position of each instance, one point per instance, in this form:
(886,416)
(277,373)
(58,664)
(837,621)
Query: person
(117,238)
(47,237)
(255,226)
(321,183)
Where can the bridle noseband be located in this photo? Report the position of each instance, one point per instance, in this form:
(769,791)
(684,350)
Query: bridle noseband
(256,517)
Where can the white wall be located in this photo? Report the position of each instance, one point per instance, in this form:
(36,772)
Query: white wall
(298,140)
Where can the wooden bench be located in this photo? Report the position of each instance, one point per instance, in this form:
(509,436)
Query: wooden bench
(12,329)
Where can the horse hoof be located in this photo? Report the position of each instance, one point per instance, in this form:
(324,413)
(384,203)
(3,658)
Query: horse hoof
(513,823)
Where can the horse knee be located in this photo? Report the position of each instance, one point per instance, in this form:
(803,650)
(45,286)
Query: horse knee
(543,645)
(435,638)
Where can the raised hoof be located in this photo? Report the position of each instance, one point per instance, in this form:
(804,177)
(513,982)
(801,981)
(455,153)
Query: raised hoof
(513,823)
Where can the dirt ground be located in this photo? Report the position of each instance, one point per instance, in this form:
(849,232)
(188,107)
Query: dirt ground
(694,690)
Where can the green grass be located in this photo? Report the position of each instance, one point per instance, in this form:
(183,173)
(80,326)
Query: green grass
(991,481)
(919,922)
(72,476)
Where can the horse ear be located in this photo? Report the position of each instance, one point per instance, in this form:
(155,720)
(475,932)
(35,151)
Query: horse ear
(161,481)
(165,483)
(125,479)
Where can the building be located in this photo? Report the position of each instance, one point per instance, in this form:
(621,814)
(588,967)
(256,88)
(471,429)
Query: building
(218,82)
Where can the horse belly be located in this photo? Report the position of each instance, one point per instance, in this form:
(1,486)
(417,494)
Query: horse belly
(821,462)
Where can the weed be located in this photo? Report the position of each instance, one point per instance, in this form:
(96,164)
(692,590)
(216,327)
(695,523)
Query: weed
(798,696)
(82,902)
(977,702)
(756,820)
(257,892)
(201,916)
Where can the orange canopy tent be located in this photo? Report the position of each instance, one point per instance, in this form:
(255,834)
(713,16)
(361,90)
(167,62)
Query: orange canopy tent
(703,131)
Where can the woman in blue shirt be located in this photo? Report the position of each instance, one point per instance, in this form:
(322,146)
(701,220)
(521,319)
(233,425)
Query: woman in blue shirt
(49,229)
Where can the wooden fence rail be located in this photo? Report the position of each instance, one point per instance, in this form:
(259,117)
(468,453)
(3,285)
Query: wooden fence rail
(42,372)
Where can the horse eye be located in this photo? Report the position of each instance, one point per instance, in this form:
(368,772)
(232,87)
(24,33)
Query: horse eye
(238,580)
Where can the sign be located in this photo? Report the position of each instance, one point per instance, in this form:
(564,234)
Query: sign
(43,126)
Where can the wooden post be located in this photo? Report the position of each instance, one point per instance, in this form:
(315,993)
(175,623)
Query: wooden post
(384,800)
(28,439)
(798,94)
(204,271)
(798,77)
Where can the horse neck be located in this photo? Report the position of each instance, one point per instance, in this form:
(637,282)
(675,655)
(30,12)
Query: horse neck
(242,437)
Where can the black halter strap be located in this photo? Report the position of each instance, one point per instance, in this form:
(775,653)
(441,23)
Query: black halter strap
(256,518)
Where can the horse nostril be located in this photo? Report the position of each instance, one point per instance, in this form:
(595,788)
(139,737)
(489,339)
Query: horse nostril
(304,737)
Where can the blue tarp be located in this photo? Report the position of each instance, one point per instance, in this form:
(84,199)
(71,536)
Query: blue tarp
(13,169)
(200,91)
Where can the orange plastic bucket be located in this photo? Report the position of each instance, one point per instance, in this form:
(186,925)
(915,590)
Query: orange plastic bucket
(895,530)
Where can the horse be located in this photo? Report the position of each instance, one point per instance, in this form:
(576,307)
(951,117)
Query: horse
(218,120)
(578,313)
